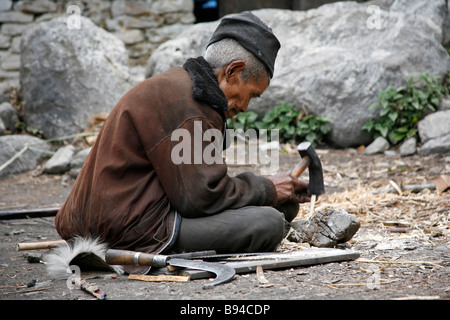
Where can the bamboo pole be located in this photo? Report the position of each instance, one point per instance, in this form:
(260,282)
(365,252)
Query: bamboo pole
(39,245)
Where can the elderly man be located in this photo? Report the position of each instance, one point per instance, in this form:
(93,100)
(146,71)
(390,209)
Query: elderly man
(132,195)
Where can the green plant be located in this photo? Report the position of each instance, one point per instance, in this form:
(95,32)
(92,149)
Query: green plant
(292,124)
(313,128)
(243,120)
(402,108)
(283,118)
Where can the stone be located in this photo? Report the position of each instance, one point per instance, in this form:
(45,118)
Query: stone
(118,8)
(5,5)
(11,145)
(390,153)
(446,36)
(78,161)
(5,89)
(69,74)
(11,62)
(2,127)
(190,43)
(165,33)
(13,29)
(409,147)
(59,163)
(5,42)
(439,145)
(434,125)
(326,228)
(144,22)
(15,48)
(445,104)
(15,17)
(36,6)
(169,6)
(333,60)
(379,145)
(130,37)
(9,116)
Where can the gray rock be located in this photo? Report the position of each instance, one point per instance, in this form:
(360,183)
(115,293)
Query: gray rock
(332,62)
(446,37)
(13,29)
(434,125)
(325,229)
(12,144)
(408,148)
(5,41)
(15,17)
(60,162)
(170,6)
(2,127)
(36,6)
(445,104)
(8,115)
(11,62)
(144,22)
(78,161)
(165,33)
(5,5)
(379,145)
(69,74)
(130,37)
(5,89)
(439,145)
(390,153)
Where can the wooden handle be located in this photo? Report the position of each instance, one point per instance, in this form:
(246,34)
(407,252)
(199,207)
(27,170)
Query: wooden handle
(125,257)
(301,166)
(39,245)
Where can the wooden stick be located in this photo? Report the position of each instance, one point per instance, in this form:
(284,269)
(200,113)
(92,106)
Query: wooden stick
(160,278)
(39,245)
(413,188)
(399,262)
(313,204)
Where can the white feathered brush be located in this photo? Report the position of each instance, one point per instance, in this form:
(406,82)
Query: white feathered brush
(86,253)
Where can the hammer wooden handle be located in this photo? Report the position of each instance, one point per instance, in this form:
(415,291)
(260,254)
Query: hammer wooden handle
(301,166)
(125,257)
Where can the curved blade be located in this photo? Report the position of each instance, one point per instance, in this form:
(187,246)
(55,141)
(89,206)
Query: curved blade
(223,272)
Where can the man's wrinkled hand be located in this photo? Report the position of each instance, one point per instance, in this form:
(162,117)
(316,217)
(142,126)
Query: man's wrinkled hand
(289,188)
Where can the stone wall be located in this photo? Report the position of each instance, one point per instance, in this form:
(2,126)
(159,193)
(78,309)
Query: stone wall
(142,24)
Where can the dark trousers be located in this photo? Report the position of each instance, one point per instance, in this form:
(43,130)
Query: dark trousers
(248,229)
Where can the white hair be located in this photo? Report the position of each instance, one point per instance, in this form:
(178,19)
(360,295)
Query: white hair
(222,53)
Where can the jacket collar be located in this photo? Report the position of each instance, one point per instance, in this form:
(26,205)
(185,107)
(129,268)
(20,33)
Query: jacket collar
(206,87)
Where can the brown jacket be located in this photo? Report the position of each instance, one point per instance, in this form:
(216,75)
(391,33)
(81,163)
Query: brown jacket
(130,193)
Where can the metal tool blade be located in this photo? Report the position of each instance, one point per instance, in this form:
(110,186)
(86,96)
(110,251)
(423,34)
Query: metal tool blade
(223,273)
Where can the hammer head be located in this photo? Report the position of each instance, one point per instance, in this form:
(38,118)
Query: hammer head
(316,185)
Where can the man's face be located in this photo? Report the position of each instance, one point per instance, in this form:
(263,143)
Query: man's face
(237,91)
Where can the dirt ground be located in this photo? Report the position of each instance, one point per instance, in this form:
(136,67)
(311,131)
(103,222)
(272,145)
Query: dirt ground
(404,240)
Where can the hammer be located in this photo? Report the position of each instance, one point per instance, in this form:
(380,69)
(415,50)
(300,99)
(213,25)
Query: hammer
(311,161)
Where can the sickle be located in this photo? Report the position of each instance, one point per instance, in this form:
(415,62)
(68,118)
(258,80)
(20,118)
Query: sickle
(223,273)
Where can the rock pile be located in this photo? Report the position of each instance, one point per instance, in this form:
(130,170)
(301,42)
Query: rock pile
(142,24)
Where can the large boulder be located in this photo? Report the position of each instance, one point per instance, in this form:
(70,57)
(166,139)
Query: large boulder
(335,59)
(69,74)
